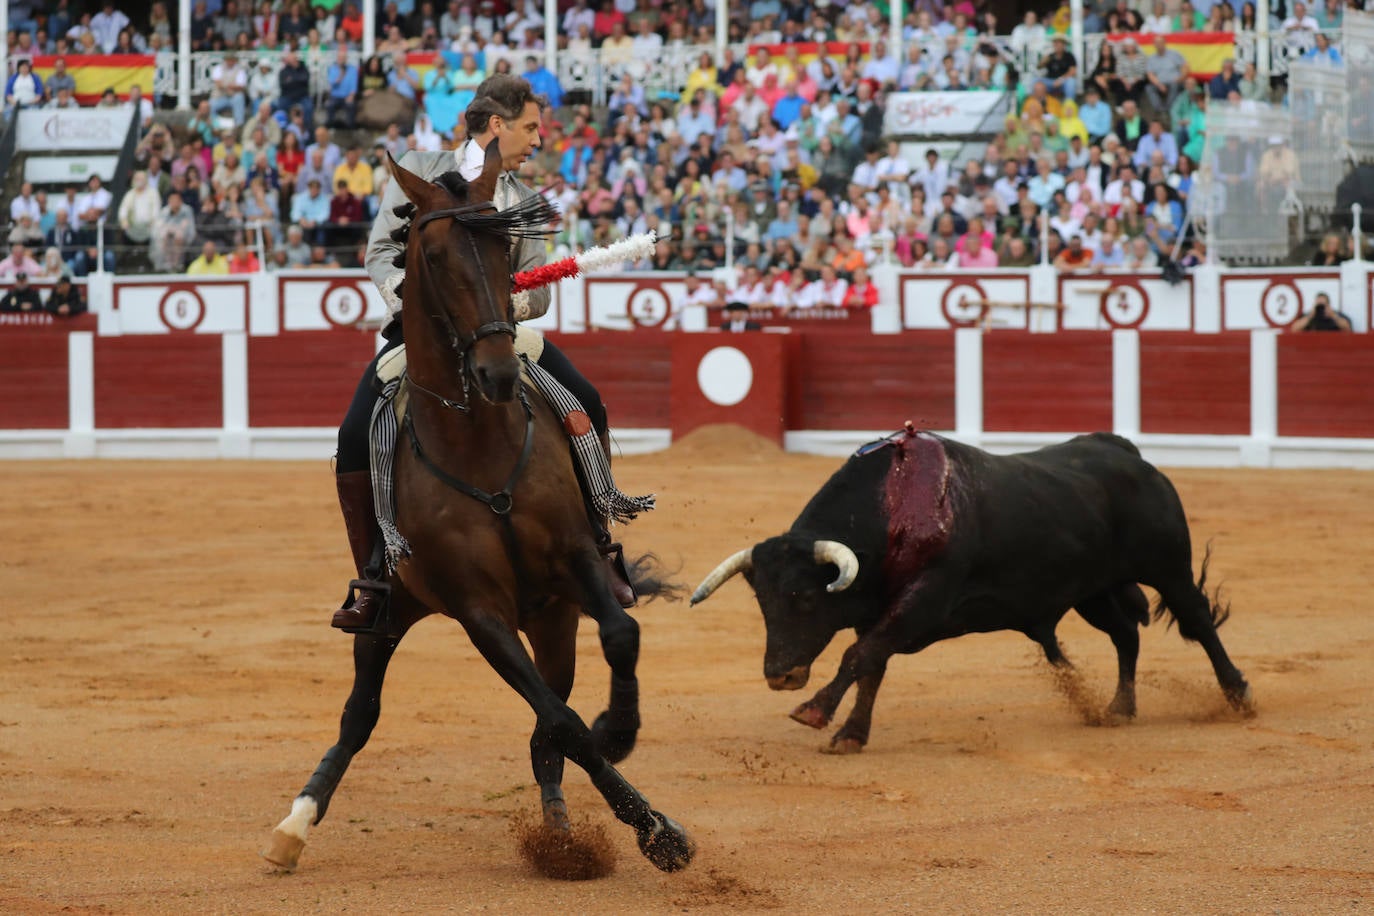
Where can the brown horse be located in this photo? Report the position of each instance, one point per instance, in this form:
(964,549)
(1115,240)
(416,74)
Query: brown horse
(489,500)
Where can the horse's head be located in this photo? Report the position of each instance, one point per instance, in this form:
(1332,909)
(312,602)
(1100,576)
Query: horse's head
(458,270)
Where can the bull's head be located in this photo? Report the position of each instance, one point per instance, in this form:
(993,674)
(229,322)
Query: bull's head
(797,591)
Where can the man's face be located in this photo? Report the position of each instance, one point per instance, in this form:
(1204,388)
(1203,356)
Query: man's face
(518,138)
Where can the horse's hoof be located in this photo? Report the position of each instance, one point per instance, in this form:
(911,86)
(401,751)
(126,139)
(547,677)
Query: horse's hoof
(556,816)
(284,850)
(612,744)
(811,715)
(666,845)
(843,746)
(1243,701)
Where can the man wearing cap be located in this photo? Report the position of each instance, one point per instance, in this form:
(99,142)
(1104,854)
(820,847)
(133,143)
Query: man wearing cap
(737,318)
(21,297)
(1061,69)
(230,82)
(65,300)
(503,119)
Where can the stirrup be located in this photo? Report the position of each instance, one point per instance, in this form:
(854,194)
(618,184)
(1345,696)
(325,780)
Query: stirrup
(381,593)
(615,553)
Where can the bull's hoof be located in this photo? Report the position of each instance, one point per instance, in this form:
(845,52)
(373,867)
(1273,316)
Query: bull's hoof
(1121,708)
(284,850)
(840,745)
(810,715)
(1242,699)
(613,744)
(666,845)
(556,816)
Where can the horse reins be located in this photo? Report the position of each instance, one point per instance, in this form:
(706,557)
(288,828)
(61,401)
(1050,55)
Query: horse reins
(457,340)
(502,501)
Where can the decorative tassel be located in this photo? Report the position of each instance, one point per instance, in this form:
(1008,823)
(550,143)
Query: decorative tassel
(634,248)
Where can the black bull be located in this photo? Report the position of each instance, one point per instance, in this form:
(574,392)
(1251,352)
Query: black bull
(933,539)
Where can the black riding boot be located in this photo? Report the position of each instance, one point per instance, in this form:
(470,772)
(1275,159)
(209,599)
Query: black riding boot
(360,520)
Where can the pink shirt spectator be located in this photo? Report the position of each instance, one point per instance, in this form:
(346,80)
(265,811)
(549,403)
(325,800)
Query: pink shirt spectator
(9,267)
(985,257)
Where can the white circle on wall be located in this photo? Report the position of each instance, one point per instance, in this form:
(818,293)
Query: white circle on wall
(344,305)
(725,376)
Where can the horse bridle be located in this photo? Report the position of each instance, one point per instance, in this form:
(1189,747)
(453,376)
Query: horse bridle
(501,502)
(460,343)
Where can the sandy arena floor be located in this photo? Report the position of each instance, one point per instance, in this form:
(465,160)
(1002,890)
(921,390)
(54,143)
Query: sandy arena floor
(169,681)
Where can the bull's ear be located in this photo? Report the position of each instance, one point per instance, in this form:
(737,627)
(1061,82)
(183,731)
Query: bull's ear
(483,188)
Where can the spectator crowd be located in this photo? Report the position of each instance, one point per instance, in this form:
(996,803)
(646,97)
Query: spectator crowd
(778,153)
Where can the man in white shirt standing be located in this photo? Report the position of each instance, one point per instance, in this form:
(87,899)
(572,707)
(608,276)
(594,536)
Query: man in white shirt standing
(106,26)
(894,169)
(25,205)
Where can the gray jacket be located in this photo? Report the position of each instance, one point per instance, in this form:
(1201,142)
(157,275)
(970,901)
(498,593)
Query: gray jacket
(382,249)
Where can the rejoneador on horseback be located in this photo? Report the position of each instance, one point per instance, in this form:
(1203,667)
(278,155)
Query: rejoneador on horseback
(490,505)
(506,110)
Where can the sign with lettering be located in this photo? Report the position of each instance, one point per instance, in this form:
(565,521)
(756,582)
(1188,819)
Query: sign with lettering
(945,113)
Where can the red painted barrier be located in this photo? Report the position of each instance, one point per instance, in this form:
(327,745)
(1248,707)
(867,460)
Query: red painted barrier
(732,378)
(1047,382)
(1195,383)
(33,373)
(632,370)
(155,382)
(306,378)
(1325,385)
(856,380)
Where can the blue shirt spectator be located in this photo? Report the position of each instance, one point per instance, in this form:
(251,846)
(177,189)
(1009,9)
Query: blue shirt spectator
(788,108)
(573,168)
(1225,82)
(403,78)
(1156,139)
(310,206)
(543,82)
(1096,116)
(343,80)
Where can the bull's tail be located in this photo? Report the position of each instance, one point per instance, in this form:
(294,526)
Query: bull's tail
(652,580)
(1219,608)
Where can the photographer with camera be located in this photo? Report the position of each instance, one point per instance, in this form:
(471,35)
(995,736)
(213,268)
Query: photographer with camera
(1322,318)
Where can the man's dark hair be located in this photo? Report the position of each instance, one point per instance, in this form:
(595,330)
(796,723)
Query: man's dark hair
(502,95)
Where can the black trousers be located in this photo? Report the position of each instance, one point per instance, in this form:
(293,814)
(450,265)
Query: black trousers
(354,451)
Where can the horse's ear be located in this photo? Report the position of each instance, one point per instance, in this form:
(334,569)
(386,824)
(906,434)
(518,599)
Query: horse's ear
(483,187)
(413,186)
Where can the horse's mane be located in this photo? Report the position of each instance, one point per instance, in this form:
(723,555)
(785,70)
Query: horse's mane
(530,218)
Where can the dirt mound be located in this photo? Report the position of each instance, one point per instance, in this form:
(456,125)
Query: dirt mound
(724,442)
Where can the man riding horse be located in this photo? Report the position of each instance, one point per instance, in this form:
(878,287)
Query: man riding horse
(507,110)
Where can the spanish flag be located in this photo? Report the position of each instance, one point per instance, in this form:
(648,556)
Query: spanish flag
(1204,51)
(94,73)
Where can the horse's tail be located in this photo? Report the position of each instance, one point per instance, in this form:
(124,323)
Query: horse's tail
(652,580)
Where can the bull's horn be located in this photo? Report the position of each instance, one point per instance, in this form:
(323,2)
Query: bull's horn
(735,564)
(841,556)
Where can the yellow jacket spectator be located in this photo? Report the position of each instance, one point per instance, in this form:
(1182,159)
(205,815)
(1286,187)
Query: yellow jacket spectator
(356,173)
(210,263)
(702,77)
